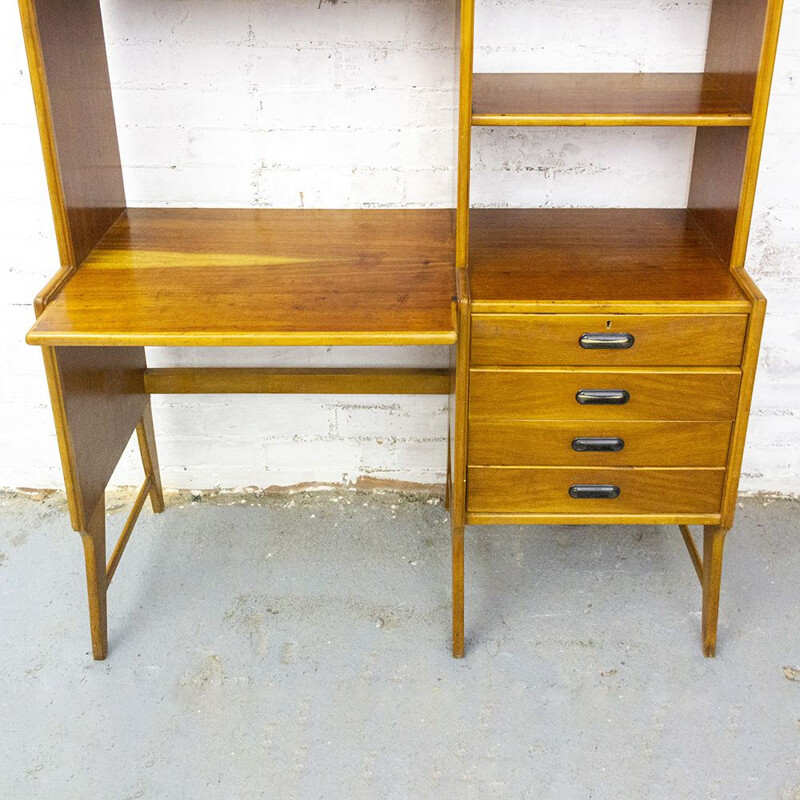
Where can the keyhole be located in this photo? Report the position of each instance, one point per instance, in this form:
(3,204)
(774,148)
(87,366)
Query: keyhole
(608,323)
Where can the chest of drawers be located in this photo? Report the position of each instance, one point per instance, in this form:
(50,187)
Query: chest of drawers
(604,415)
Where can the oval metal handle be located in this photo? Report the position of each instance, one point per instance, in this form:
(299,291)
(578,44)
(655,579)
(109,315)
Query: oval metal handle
(606,341)
(597,444)
(594,491)
(602,397)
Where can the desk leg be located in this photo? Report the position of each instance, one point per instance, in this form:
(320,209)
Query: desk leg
(98,400)
(457,534)
(94,552)
(448,498)
(713,541)
(147,446)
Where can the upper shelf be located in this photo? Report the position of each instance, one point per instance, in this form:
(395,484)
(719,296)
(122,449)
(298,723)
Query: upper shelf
(689,99)
(261,277)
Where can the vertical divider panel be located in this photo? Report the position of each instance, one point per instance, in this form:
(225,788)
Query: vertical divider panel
(465,65)
(66,51)
(742,41)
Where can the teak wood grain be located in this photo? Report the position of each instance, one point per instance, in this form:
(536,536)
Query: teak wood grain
(594,99)
(742,42)
(576,259)
(261,277)
(258,277)
(546,490)
(72,92)
(645,444)
(465,41)
(285,380)
(658,339)
(457,454)
(98,400)
(655,394)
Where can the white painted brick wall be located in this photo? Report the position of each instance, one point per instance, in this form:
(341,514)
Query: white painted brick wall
(290,103)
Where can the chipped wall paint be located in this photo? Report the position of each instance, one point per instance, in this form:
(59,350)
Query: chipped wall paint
(325,104)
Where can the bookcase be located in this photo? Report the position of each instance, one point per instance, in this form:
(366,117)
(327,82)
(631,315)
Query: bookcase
(602,360)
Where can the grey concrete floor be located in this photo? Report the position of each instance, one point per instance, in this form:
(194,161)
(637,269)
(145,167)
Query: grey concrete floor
(297,647)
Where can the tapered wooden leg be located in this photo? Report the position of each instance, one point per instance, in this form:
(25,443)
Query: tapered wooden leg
(147,445)
(94,551)
(458,589)
(713,541)
(447,492)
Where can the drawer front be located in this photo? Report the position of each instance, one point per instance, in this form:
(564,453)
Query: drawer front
(613,340)
(598,444)
(638,491)
(656,394)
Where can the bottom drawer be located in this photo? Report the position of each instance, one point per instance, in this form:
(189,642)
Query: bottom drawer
(640,491)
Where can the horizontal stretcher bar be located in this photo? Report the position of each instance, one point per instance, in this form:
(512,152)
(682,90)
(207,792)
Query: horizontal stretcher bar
(267,380)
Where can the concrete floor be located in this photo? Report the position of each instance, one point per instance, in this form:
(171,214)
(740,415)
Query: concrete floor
(297,647)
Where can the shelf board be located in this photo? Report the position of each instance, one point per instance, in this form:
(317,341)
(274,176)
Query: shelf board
(601,99)
(564,260)
(261,277)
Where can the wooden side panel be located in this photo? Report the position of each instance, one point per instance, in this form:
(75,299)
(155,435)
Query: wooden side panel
(743,38)
(465,66)
(717,173)
(734,46)
(98,398)
(69,72)
(749,366)
(459,393)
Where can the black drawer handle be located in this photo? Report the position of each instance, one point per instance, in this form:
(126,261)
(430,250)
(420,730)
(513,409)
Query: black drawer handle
(594,491)
(602,397)
(606,341)
(597,444)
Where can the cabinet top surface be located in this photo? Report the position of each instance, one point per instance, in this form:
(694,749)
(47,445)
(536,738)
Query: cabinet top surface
(622,259)
(261,277)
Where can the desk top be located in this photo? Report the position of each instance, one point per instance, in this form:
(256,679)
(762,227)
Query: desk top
(222,277)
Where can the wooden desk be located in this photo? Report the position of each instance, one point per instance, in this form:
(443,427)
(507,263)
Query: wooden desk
(602,360)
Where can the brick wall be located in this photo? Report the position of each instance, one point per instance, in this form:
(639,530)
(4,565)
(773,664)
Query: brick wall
(323,104)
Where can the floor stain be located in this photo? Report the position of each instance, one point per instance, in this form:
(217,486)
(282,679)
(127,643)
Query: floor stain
(289,653)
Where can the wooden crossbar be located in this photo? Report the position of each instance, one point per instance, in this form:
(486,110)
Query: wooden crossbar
(693,553)
(266,380)
(122,542)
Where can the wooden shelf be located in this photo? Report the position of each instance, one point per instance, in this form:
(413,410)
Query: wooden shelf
(603,99)
(261,277)
(603,259)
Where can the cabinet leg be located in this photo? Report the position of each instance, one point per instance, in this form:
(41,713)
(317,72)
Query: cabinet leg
(457,533)
(713,542)
(147,445)
(94,551)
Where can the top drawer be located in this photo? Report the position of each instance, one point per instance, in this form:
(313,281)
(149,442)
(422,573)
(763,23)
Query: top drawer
(692,340)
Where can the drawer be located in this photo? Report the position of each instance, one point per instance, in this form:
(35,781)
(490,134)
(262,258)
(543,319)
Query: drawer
(547,490)
(625,339)
(598,444)
(654,394)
